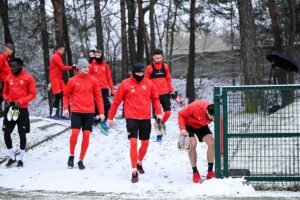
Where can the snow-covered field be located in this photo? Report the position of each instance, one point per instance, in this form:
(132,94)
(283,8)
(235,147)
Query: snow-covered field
(108,171)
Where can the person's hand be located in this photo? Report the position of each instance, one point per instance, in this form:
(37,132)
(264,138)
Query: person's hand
(74,66)
(184,132)
(17,105)
(159,117)
(102,117)
(109,122)
(173,95)
(112,93)
(66,113)
(7,103)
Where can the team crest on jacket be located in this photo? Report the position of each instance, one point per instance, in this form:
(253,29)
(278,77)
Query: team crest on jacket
(77,85)
(11,82)
(132,90)
(103,68)
(96,69)
(21,82)
(144,87)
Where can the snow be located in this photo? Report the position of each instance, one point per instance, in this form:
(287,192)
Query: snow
(168,174)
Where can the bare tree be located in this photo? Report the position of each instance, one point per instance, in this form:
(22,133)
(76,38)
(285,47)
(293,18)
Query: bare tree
(4,16)
(152,26)
(251,71)
(190,86)
(124,40)
(131,35)
(58,7)
(99,28)
(45,46)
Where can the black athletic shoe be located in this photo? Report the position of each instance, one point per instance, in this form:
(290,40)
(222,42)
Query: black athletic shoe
(10,162)
(71,162)
(80,165)
(140,169)
(20,163)
(135,177)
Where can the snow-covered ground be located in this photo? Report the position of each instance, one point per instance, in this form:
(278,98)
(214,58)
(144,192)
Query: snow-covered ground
(168,174)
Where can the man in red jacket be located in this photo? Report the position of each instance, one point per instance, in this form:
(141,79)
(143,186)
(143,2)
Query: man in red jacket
(19,90)
(101,71)
(160,75)
(137,93)
(57,67)
(5,69)
(193,120)
(80,93)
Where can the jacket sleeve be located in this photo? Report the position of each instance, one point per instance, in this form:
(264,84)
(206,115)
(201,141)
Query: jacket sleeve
(155,100)
(148,72)
(183,115)
(61,65)
(5,90)
(117,101)
(67,94)
(91,69)
(31,91)
(169,79)
(98,97)
(109,79)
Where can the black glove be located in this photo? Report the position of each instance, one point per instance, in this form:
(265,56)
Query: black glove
(74,66)
(7,103)
(173,94)
(17,105)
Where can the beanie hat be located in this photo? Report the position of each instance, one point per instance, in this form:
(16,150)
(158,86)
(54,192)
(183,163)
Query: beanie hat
(18,61)
(138,67)
(82,63)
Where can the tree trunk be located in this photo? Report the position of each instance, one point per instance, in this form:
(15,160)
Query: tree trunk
(58,7)
(45,46)
(99,27)
(152,27)
(131,28)
(251,71)
(140,33)
(167,27)
(124,41)
(67,45)
(172,36)
(275,26)
(4,16)
(190,87)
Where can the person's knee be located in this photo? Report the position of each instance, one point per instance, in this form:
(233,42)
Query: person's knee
(193,142)
(210,141)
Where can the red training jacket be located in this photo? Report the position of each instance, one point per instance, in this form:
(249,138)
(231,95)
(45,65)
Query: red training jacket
(137,99)
(102,73)
(20,88)
(81,92)
(57,66)
(5,69)
(164,84)
(194,115)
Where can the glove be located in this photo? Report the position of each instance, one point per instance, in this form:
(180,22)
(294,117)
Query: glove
(7,103)
(173,94)
(74,66)
(17,105)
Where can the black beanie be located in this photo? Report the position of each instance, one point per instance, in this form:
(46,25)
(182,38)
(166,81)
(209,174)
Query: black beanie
(210,109)
(18,61)
(138,67)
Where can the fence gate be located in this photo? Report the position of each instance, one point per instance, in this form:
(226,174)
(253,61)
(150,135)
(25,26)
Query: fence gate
(257,131)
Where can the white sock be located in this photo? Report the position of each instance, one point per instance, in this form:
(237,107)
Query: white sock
(53,111)
(22,153)
(11,153)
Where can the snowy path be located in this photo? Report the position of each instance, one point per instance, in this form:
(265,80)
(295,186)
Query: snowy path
(108,170)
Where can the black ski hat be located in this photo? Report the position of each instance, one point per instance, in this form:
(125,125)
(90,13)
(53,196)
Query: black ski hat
(138,67)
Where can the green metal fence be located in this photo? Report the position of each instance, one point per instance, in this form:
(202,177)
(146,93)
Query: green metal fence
(257,131)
